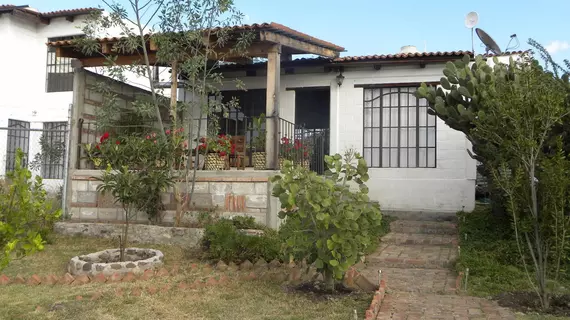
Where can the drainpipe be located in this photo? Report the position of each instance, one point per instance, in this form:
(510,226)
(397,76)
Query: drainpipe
(337,129)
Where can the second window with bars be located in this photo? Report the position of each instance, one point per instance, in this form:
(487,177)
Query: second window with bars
(398,131)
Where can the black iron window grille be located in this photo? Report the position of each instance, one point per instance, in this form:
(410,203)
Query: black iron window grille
(53,143)
(18,138)
(398,131)
(59,72)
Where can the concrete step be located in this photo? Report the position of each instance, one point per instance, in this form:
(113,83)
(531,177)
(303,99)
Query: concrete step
(414,256)
(422,216)
(439,281)
(421,238)
(423,227)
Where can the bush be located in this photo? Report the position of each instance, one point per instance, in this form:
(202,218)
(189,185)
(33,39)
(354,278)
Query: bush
(26,217)
(223,241)
(327,222)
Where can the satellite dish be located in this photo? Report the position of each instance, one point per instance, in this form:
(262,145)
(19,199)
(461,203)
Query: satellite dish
(490,44)
(471,20)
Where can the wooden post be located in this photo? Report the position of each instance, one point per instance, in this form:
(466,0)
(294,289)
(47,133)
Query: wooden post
(272,106)
(174,93)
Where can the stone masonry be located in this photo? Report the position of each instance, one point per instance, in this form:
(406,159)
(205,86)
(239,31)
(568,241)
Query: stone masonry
(415,259)
(107,262)
(235,193)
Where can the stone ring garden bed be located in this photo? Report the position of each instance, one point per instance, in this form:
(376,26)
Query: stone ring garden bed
(107,262)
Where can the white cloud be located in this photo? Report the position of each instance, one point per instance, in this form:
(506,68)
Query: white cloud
(557,46)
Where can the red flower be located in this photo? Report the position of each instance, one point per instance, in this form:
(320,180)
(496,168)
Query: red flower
(203,140)
(285,140)
(222,153)
(306,154)
(233,149)
(201,147)
(97,147)
(185,144)
(117,142)
(147,137)
(154,141)
(167,131)
(104,137)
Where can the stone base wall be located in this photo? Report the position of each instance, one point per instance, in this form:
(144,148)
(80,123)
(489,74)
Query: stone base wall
(228,193)
(138,233)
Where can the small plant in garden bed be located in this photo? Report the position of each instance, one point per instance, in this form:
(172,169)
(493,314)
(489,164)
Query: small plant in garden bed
(223,241)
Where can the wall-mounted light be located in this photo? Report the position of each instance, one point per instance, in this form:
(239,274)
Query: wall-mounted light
(339,79)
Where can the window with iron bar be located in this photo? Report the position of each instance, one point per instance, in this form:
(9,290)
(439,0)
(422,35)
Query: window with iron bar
(18,138)
(53,149)
(398,131)
(59,72)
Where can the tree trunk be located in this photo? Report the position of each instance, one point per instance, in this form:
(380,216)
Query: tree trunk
(328,278)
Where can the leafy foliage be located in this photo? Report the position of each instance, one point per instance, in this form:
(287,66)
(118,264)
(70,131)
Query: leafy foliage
(223,241)
(26,215)
(130,188)
(513,113)
(326,222)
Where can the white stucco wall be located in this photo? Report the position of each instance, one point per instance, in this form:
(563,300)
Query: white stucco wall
(23,81)
(447,188)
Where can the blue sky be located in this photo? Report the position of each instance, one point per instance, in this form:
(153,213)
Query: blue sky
(383,26)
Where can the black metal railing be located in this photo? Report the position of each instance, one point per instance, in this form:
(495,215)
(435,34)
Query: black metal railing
(308,147)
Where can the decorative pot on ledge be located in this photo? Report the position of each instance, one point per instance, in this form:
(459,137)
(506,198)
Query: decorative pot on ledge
(215,162)
(259,160)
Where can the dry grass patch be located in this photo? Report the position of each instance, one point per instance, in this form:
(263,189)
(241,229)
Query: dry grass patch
(56,255)
(236,300)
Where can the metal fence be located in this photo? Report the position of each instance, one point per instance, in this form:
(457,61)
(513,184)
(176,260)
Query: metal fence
(316,141)
(44,147)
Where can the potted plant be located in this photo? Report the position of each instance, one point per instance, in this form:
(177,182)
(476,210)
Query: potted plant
(258,143)
(218,150)
(294,151)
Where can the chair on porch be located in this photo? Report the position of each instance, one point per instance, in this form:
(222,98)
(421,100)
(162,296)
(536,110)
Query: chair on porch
(238,158)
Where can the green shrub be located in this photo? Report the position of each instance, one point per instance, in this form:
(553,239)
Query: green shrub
(327,222)
(223,241)
(26,215)
(245,222)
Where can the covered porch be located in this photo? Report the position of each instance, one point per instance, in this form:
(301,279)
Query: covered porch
(272,42)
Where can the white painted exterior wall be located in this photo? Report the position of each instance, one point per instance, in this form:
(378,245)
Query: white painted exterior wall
(23,81)
(447,188)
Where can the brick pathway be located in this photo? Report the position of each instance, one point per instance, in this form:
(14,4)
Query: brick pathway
(416,260)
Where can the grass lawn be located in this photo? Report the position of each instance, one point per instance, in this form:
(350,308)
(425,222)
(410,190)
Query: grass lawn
(235,300)
(489,250)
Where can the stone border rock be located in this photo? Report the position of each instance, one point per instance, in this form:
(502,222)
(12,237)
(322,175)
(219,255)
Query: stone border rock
(137,260)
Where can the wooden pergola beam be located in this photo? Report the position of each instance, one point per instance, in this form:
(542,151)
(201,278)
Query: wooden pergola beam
(297,44)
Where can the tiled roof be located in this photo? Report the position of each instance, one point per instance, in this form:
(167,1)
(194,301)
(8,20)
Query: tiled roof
(273,27)
(399,56)
(70,12)
(51,14)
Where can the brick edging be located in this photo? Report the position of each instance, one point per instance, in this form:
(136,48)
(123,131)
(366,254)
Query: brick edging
(379,296)
(458,282)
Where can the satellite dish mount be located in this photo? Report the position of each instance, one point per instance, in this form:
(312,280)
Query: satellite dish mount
(471,21)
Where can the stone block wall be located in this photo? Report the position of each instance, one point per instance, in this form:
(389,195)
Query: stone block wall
(229,193)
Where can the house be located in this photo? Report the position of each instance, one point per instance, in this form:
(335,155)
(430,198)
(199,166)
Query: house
(37,88)
(364,103)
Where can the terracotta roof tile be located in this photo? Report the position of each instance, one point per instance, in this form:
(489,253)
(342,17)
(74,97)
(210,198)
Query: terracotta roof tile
(51,14)
(69,12)
(274,27)
(399,56)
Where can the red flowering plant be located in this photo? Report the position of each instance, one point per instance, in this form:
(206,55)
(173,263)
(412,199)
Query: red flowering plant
(222,145)
(294,150)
